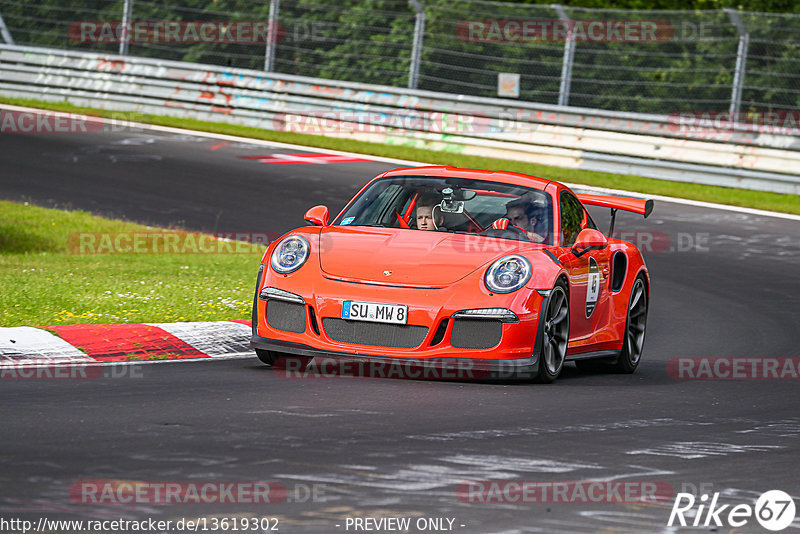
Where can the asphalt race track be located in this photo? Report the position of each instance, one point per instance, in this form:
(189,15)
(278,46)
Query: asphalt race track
(724,284)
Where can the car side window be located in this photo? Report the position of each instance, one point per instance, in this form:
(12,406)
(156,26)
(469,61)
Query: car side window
(587,221)
(572,215)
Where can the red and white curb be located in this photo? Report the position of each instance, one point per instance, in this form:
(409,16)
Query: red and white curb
(123,343)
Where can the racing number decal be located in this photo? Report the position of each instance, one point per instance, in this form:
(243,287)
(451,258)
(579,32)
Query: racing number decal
(592,287)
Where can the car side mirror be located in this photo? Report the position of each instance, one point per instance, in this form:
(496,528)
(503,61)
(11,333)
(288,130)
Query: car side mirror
(318,215)
(589,239)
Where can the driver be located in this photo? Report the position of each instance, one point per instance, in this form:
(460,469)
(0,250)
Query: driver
(523,214)
(429,215)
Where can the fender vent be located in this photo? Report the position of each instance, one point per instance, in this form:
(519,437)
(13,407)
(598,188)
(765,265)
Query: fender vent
(620,266)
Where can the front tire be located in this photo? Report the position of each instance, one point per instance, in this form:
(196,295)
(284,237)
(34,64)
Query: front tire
(635,324)
(555,334)
(279,360)
(267,356)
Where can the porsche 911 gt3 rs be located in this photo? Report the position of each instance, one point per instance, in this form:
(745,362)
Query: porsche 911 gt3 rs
(441,265)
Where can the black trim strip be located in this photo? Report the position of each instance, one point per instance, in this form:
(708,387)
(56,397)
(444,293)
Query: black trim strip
(648,208)
(254,317)
(593,355)
(552,257)
(313,319)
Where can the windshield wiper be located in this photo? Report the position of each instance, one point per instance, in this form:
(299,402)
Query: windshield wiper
(463,232)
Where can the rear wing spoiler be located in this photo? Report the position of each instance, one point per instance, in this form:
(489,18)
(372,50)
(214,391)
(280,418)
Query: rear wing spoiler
(636,205)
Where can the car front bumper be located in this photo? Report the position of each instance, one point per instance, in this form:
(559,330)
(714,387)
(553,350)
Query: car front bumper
(307,327)
(344,364)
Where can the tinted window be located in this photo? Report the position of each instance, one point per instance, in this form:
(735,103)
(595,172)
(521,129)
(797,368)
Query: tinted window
(572,216)
(456,205)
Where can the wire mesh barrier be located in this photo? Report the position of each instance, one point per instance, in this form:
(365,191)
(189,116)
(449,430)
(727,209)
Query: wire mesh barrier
(641,61)
(620,142)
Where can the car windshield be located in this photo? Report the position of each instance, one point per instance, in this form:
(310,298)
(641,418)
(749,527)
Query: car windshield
(458,205)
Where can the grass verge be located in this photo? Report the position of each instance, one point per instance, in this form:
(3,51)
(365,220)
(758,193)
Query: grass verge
(722,195)
(70,267)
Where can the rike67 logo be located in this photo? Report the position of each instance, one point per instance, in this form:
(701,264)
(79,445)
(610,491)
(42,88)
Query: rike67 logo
(774,510)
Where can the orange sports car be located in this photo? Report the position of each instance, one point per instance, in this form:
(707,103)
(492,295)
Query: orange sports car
(497,272)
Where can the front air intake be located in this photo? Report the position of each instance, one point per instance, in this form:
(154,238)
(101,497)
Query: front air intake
(374,334)
(438,336)
(476,333)
(286,316)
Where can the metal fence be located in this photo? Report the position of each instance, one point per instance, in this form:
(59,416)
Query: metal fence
(693,60)
(579,138)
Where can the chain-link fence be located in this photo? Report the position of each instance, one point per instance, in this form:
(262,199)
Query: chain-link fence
(642,61)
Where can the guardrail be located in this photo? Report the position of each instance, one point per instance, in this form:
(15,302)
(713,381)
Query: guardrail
(647,145)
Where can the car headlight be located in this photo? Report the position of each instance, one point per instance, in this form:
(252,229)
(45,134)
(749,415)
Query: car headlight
(290,254)
(508,274)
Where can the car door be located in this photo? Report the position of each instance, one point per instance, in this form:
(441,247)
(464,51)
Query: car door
(588,274)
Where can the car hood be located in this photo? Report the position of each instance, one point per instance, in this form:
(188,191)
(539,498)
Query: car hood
(407,257)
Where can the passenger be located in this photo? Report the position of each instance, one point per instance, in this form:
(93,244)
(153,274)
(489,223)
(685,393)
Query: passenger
(523,214)
(429,214)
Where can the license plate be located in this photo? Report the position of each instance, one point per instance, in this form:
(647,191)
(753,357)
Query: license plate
(371,311)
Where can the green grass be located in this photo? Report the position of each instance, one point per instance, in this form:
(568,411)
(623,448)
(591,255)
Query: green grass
(48,279)
(722,195)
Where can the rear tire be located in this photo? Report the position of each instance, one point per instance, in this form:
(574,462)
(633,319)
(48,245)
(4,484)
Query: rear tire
(635,324)
(555,334)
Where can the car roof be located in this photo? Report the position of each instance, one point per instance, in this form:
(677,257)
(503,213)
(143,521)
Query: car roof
(513,178)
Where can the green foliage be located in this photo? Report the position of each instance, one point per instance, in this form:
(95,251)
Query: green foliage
(46,281)
(370,41)
(770,6)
